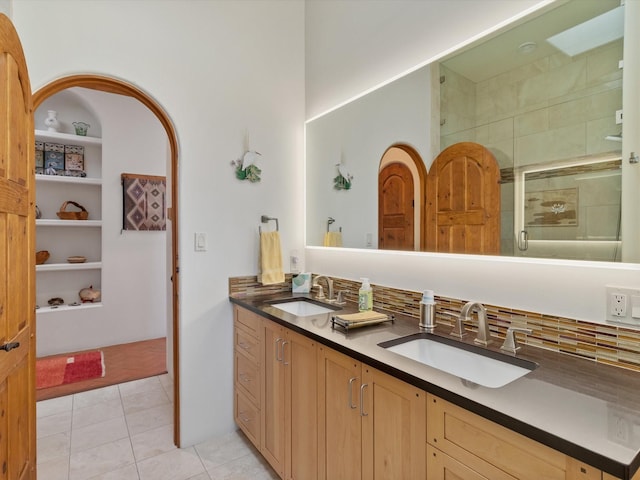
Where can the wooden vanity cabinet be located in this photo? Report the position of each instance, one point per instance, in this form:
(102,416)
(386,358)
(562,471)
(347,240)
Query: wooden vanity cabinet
(467,446)
(371,425)
(247,347)
(289,403)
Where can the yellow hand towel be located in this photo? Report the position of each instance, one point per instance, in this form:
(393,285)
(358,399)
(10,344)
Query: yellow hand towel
(363,316)
(333,239)
(270,259)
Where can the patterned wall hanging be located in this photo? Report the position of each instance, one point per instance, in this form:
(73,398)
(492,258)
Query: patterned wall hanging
(144,202)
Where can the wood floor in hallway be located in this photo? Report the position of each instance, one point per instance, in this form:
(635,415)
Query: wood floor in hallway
(123,363)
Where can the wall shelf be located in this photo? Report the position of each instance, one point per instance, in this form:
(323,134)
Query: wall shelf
(68,179)
(58,267)
(49,222)
(65,308)
(69,138)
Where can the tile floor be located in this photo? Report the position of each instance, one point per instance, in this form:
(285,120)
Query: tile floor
(125,432)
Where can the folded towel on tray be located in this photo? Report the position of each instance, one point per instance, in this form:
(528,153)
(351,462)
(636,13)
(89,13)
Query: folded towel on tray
(362,316)
(333,239)
(270,259)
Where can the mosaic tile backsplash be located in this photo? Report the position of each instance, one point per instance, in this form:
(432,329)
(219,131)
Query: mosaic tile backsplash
(610,344)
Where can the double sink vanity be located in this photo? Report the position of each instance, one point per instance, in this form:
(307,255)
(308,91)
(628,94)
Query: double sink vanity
(391,401)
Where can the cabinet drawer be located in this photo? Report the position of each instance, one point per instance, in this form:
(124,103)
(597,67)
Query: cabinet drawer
(248,320)
(247,345)
(247,377)
(470,438)
(247,417)
(441,465)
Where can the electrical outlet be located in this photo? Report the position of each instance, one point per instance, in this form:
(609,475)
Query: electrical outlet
(618,305)
(623,305)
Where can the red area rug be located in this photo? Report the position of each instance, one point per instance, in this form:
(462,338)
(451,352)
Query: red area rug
(63,369)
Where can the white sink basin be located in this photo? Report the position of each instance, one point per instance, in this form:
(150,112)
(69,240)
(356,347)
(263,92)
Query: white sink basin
(302,308)
(468,365)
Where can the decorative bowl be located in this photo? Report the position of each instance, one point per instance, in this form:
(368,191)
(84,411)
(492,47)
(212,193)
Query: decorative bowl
(76,259)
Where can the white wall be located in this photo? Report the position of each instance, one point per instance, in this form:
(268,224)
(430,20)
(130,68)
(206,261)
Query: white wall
(345,57)
(134,263)
(352,46)
(219,69)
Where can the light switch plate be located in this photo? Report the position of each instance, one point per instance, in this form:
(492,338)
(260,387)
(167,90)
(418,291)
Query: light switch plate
(200,242)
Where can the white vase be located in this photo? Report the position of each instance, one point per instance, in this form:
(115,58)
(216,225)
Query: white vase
(51,122)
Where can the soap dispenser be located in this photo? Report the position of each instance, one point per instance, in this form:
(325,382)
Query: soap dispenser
(427,312)
(365,296)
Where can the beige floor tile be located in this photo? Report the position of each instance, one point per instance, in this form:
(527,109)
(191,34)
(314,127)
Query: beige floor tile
(53,446)
(52,424)
(224,449)
(179,464)
(145,400)
(54,406)
(139,386)
(55,469)
(130,472)
(149,419)
(153,442)
(249,467)
(94,397)
(97,434)
(97,413)
(100,460)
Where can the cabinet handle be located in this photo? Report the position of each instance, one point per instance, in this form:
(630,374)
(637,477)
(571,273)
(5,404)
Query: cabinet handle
(243,417)
(284,357)
(362,387)
(244,378)
(350,389)
(278,358)
(244,346)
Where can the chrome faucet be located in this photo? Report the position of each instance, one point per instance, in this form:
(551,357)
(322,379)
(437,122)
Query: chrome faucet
(484,337)
(321,295)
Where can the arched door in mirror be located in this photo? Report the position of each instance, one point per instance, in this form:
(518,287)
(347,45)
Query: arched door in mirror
(463,201)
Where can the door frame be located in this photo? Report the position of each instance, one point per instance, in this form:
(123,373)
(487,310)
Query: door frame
(421,180)
(120,87)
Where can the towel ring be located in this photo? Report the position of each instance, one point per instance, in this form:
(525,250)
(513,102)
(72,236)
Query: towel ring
(330,221)
(266,219)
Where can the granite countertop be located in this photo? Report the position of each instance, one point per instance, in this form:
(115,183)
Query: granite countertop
(584,409)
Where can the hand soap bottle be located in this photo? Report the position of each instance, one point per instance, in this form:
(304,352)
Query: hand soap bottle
(427,312)
(365,296)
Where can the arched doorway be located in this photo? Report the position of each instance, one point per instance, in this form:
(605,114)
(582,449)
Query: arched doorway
(401,199)
(111,85)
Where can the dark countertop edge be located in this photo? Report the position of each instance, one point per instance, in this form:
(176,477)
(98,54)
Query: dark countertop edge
(612,467)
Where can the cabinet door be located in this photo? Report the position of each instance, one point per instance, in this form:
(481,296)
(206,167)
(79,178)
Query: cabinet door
(394,427)
(273,400)
(301,407)
(441,466)
(339,416)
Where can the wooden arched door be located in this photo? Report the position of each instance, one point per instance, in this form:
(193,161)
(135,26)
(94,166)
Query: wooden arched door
(463,201)
(17,262)
(395,208)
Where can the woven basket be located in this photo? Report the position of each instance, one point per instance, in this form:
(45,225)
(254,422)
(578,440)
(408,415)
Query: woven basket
(64,215)
(41,257)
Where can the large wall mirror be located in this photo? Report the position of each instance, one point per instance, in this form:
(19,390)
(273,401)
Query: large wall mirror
(542,99)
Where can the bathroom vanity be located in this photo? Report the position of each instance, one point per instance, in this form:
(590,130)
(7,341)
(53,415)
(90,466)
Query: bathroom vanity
(322,403)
